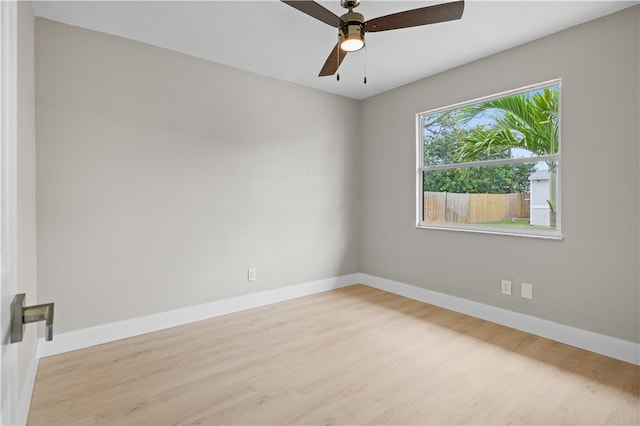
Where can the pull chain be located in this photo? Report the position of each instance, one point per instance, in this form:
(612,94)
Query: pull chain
(338,61)
(365,64)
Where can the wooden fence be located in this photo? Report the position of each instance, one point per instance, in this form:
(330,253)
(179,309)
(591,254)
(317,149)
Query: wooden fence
(474,208)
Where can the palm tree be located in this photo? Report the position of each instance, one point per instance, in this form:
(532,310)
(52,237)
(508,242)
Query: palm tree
(527,121)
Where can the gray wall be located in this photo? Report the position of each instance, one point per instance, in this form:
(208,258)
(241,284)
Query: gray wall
(588,280)
(26,182)
(163,177)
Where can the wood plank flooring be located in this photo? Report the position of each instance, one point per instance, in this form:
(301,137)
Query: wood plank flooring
(351,356)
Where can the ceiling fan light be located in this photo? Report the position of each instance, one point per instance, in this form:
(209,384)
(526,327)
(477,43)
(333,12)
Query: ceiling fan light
(353,39)
(351,45)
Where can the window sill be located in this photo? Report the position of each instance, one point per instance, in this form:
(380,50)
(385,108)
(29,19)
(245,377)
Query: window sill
(495,230)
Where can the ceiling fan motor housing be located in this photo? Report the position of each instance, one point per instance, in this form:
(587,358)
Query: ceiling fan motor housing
(353,29)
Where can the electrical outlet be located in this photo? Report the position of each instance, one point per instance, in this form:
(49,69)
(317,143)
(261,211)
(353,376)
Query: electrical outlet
(506,287)
(527,291)
(251,274)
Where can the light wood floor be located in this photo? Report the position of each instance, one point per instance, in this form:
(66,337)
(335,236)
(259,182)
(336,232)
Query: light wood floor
(351,356)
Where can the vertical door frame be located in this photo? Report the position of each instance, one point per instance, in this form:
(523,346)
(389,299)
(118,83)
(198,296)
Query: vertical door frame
(8,206)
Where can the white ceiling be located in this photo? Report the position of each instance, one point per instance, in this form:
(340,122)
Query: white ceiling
(271,38)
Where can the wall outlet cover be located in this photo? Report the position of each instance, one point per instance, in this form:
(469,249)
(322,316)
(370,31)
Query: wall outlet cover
(252,274)
(527,291)
(506,287)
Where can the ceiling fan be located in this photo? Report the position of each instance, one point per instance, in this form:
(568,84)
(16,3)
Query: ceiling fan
(352,26)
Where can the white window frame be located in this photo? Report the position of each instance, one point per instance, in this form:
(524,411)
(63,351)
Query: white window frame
(555,234)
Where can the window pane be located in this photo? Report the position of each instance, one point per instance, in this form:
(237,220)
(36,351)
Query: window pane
(518,195)
(524,125)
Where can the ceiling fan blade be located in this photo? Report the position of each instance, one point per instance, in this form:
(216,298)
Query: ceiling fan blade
(416,17)
(333,62)
(317,11)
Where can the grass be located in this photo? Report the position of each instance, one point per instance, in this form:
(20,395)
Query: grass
(514,223)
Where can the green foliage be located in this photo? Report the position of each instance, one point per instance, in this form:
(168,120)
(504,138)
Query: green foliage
(503,179)
(528,121)
(442,140)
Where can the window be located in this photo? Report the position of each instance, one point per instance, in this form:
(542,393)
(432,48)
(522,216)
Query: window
(492,164)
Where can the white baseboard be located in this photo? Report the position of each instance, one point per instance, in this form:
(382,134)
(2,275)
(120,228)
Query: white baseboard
(27,388)
(594,342)
(78,339)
